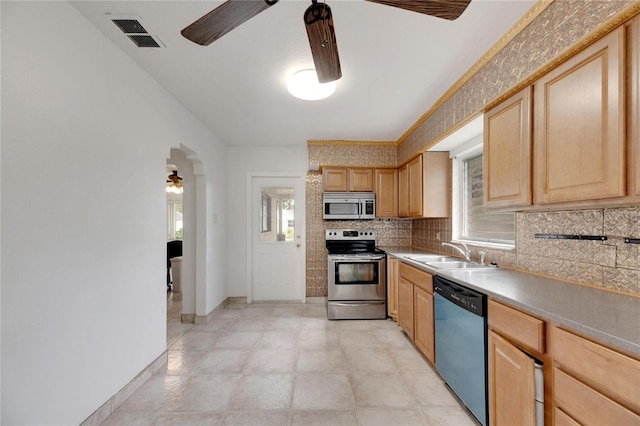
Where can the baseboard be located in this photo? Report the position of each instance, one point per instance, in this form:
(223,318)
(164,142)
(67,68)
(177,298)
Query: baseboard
(204,319)
(320,299)
(100,415)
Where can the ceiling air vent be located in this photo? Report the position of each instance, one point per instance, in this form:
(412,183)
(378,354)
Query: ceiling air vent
(136,32)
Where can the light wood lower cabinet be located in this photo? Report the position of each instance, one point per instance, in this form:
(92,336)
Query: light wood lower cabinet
(405,305)
(511,384)
(392,287)
(512,388)
(415,308)
(424,337)
(593,384)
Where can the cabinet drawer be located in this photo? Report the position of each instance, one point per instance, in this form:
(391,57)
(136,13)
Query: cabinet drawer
(611,372)
(563,419)
(586,405)
(518,326)
(420,278)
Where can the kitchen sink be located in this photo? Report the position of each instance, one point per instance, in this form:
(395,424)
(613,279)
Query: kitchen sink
(425,258)
(457,264)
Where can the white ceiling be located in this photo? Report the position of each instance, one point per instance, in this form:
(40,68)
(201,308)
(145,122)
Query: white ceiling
(395,64)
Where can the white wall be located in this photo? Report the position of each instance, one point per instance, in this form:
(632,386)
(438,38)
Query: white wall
(243,160)
(85,138)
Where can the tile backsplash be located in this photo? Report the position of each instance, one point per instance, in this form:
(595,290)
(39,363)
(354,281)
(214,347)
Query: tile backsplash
(611,264)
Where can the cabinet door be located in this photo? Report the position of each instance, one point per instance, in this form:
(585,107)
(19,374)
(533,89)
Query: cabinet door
(405,306)
(386,187)
(424,323)
(392,287)
(415,187)
(579,138)
(361,180)
(507,152)
(334,179)
(403,191)
(436,184)
(634,108)
(511,384)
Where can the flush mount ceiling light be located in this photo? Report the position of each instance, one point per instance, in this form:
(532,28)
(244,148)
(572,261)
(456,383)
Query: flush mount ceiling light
(304,85)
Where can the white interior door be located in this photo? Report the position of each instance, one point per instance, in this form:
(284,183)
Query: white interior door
(277,206)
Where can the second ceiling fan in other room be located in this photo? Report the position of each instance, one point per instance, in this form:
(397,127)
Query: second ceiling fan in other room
(318,22)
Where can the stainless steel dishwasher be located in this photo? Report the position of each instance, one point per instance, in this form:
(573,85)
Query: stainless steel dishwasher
(461,343)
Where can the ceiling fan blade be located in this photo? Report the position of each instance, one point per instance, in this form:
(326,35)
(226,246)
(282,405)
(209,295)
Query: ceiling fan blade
(446,9)
(322,39)
(223,19)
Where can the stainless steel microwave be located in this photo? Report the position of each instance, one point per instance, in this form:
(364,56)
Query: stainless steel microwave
(348,205)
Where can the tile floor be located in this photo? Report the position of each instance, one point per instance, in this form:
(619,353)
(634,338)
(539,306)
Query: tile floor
(286,364)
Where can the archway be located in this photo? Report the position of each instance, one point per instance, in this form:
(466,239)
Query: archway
(192,282)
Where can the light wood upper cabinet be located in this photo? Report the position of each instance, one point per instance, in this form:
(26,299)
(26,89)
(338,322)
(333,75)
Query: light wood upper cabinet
(403,191)
(414,171)
(579,137)
(335,179)
(342,179)
(386,189)
(424,188)
(361,180)
(507,152)
(511,384)
(436,191)
(633,115)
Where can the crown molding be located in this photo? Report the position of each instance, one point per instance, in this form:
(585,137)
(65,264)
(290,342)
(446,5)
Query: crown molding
(516,29)
(350,143)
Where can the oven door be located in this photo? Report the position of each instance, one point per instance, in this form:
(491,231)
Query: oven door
(357,277)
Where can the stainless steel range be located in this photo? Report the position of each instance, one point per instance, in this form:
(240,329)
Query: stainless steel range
(357,275)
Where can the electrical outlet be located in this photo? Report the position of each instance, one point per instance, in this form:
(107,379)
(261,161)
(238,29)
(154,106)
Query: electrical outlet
(437,236)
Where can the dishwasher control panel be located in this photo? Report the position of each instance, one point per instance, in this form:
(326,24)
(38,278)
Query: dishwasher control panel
(462,296)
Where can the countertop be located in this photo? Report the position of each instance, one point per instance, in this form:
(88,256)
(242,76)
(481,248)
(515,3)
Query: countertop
(609,317)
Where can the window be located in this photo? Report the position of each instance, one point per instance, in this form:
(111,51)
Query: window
(174,220)
(472,222)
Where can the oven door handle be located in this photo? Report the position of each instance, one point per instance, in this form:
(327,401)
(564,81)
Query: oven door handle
(352,258)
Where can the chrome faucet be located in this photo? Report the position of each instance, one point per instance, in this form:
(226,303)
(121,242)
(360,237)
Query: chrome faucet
(466,252)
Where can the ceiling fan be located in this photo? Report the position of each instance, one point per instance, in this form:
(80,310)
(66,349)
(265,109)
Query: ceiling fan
(318,21)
